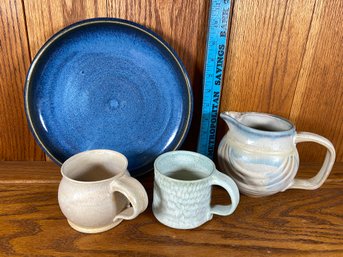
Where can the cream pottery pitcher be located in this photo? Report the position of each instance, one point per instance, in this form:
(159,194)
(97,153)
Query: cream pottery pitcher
(259,153)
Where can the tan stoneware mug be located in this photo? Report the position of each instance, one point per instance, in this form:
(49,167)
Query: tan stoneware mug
(96,192)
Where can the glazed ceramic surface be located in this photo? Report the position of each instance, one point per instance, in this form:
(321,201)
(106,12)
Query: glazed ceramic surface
(259,153)
(108,84)
(182,190)
(96,192)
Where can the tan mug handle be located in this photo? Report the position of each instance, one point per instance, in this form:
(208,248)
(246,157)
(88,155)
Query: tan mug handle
(316,181)
(133,190)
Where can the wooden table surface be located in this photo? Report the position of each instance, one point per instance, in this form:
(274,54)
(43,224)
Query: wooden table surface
(293,223)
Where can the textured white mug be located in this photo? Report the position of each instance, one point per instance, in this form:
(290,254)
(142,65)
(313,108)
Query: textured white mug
(182,190)
(96,192)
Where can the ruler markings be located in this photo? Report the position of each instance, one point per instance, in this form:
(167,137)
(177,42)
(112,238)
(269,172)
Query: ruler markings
(214,64)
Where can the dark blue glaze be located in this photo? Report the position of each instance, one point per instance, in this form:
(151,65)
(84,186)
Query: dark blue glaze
(108,84)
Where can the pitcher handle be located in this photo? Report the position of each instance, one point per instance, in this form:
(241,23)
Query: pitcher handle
(316,181)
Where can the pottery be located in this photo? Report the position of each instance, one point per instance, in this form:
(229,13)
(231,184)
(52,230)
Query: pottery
(117,85)
(96,192)
(259,153)
(182,190)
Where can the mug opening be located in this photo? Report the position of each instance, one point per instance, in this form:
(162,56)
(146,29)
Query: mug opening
(94,166)
(184,166)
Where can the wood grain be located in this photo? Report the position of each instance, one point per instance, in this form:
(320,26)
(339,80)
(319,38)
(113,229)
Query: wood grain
(34,172)
(267,43)
(318,100)
(183,24)
(284,57)
(266,48)
(44,18)
(293,223)
(16,142)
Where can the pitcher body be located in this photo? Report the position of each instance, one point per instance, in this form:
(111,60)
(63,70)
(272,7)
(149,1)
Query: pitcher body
(259,153)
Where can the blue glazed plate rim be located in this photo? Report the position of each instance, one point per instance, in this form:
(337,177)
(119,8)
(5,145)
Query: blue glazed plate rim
(103,20)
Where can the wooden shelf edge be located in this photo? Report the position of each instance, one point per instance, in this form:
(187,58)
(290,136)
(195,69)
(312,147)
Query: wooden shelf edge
(37,172)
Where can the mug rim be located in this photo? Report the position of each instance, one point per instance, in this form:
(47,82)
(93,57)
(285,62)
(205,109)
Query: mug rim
(78,155)
(176,152)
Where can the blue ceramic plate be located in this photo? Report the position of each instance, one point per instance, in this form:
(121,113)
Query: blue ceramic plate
(108,84)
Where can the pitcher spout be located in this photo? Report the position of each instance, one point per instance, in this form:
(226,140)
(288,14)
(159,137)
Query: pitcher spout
(231,118)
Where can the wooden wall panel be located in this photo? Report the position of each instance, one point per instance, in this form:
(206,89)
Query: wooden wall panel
(44,18)
(16,143)
(266,46)
(183,25)
(267,43)
(318,101)
(284,57)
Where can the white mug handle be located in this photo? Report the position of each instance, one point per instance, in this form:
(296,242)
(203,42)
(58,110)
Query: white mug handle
(230,186)
(316,181)
(133,190)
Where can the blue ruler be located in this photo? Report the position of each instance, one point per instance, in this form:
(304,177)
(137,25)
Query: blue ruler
(219,19)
